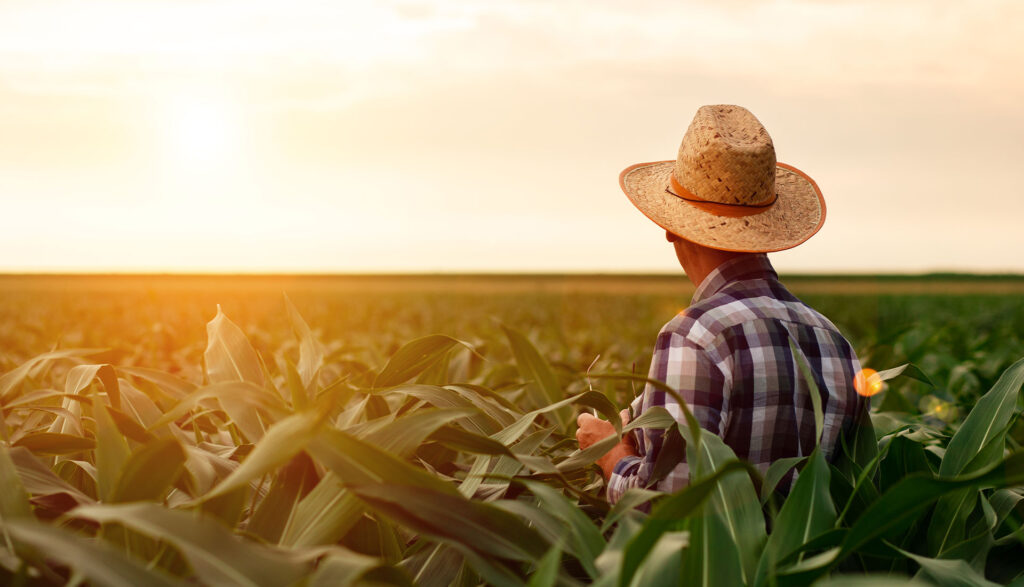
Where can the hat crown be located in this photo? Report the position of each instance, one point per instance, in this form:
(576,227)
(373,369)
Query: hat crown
(727,157)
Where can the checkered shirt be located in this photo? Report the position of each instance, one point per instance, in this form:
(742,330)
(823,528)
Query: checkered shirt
(728,355)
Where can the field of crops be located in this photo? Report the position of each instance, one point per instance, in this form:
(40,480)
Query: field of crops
(421,430)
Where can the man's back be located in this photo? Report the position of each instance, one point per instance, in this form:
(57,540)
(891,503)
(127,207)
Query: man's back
(723,202)
(729,357)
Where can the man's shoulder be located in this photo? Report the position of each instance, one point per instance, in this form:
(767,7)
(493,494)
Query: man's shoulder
(736,307)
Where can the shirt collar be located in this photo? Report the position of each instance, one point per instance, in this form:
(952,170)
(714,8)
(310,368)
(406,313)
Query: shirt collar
(743,267)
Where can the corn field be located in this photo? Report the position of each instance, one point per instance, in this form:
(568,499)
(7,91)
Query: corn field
(319,458)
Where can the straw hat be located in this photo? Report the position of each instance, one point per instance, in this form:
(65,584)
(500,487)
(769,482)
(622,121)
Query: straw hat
(725,190)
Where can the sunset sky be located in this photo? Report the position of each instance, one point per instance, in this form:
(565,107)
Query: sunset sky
(458,135)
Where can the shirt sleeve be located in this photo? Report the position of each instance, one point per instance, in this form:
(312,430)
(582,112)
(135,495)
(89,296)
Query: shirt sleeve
(689,369)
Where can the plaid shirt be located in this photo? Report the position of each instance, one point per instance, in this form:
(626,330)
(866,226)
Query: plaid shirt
(728,356)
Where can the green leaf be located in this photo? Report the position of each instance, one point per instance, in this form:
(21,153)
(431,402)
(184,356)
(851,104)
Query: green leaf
(404,435)
(341,567)
(149,472)
(909,370)
(215,554)
(807,513)
(475,525)
(355,461)
(735,510)
(280,507)
(985,424)
(867,581)
(668,513)
(414,358)
(1003,502)
(981,435)
(324,516)
(240,399)
(947,573)
(632,498)
(229,356)
(534,368)
(300,399)
(906,501)
(665,565)
(712,557)
(812,388)
(94,560)
(903,457)
(461,440)
(81,376)
(39,480)
(610,561)
(776,471)
(587,542)
(49,443)
(11,381)
(175,387)
(311,353)
(281,442)
(13,498)
(436,567)
(546,573)
(112,452)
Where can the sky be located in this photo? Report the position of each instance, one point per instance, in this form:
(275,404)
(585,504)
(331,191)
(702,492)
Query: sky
(462,136)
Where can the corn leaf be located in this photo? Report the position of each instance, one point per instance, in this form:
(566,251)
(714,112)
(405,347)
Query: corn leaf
(736,510)
(985,425)
(665,565)
(279,508)
(229,356)
(446,516)
(281,442)
(947,573)
(324,516)
(94,560)
(39,480)
(669,512)
(414,358)
(546,573)
(534,368)
(807,513)
(49,443)
(585,538)
(175,387)
(150,472)
(342,567)
(13,497)
(711,557)
(112,452)
(311,353)
(216,555)
(11,381)
(981,435)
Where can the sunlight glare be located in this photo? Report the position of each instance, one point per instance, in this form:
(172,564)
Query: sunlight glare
(200,129)
(868,382)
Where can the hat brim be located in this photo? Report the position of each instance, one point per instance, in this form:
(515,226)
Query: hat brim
(798,212)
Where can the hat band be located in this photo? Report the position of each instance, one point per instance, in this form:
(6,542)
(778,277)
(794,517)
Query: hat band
(717,208)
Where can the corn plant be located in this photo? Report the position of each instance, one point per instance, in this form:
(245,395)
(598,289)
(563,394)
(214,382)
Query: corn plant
(445,466)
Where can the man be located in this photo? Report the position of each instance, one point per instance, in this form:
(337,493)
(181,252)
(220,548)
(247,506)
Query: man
(725,202)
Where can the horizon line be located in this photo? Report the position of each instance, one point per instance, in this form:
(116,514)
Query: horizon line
(499,274)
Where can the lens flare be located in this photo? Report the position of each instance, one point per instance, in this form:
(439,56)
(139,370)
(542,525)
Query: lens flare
(868,382)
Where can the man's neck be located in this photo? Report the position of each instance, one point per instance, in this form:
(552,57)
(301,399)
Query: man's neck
(698,266)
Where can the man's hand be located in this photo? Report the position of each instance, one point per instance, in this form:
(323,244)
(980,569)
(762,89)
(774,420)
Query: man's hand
(591,430)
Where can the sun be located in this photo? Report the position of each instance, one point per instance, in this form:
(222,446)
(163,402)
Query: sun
(200,129)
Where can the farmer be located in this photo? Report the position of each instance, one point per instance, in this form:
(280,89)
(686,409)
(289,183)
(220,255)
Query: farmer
(724,203)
